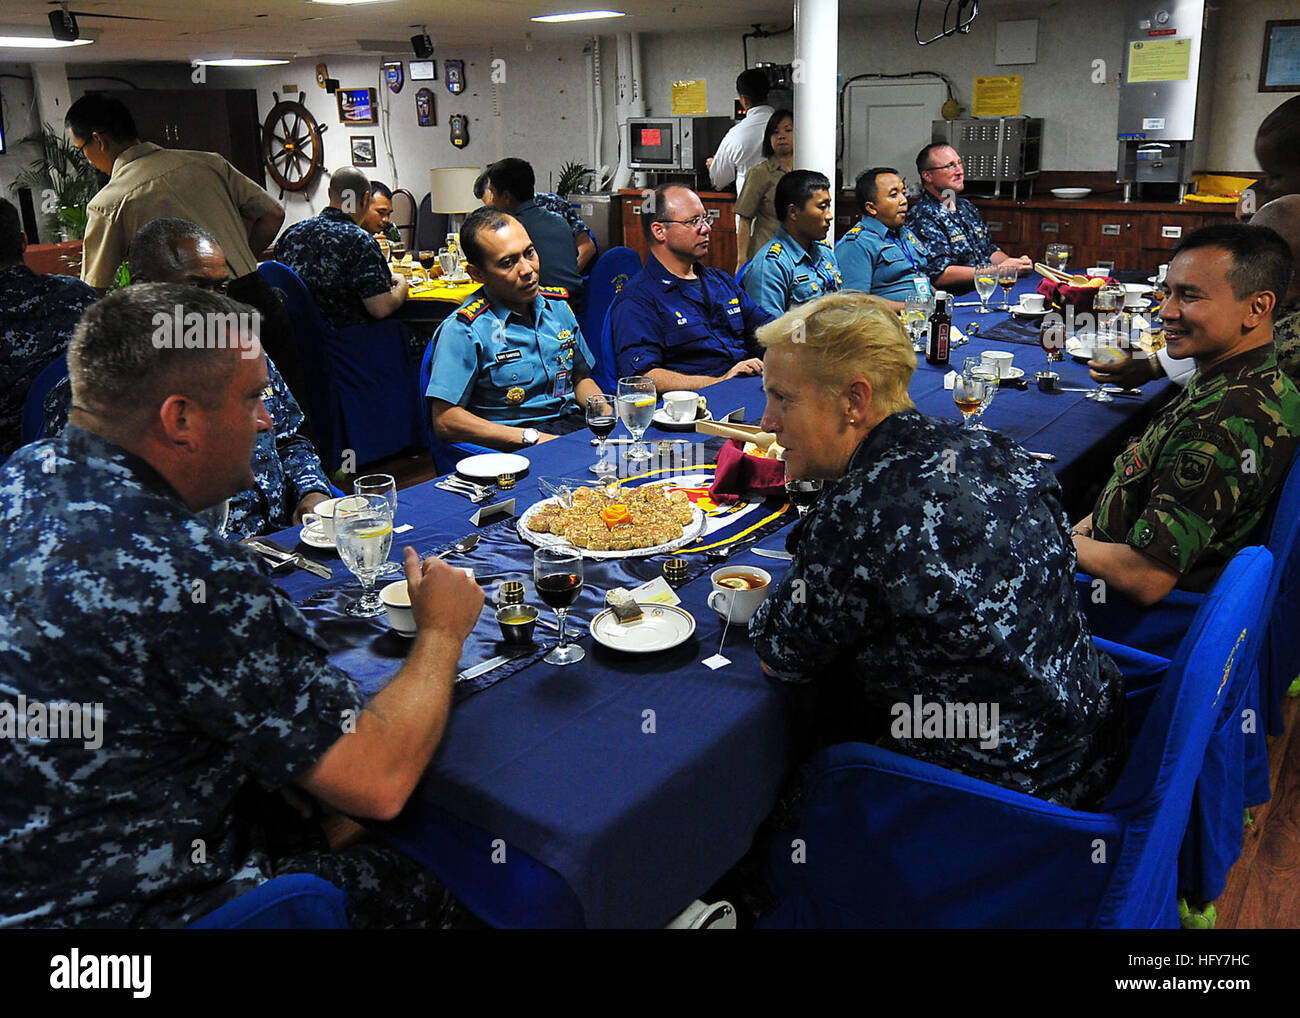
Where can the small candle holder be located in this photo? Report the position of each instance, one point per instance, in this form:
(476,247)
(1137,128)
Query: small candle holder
(675,570)
(505,481)
(511,590)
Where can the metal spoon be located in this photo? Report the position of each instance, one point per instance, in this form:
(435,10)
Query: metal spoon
(461,547)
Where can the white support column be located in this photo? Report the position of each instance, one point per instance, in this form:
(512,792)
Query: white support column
(816,65)
(50,90)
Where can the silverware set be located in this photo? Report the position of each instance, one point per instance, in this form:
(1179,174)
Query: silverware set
(476,493)
(278,557)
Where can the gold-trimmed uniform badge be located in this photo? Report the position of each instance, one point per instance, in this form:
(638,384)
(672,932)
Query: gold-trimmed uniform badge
(515,395)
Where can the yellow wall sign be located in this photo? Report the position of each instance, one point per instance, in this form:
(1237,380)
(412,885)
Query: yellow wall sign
(689,98)
(1159,60)
(997,97)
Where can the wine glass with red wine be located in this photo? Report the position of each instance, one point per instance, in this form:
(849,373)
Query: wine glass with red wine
(557,574)
(428,259)
(601,418)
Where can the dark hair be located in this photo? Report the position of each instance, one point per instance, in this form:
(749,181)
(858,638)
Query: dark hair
(486,218)
(774,125)
(1261,259)
(1282,127)
(796,188)
(11,233)
(512,175)
(657,212)
(865,187)
(378,187)
(753,85)
(96,113)
(923,157)
(480,184)
(152,254)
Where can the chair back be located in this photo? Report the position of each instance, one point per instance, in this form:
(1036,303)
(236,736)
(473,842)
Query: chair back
(430,227)
(404,214)
(1280,657)
(605,373)
(1154,792)
(33,420)
(445,454)
(740,276)
(608,276)
(294,901)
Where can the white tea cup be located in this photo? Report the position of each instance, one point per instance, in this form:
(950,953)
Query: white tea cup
(1033,302)
(397,605)
(681,406)
(738,602)
(321,518)
(998,361)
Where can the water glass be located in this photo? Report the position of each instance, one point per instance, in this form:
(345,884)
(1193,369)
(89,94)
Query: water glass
(986,281)
(447,262)
(363,528)
(636,406)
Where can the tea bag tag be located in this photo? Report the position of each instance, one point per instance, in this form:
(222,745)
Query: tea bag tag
(716,661)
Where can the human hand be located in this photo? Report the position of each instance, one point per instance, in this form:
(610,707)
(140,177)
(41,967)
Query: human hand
(444,599)
(308,503)
(542,436)
(749,366)
(1130,373)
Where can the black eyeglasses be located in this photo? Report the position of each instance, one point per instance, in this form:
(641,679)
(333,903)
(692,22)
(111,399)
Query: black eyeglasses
(946,166)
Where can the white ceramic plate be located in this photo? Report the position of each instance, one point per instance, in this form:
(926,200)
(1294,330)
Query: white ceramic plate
(662,419)
(486,466)
(1071,192)
(660,627)
(315,537)
(690,532)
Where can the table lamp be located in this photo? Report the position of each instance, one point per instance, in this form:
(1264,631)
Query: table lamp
(451,191)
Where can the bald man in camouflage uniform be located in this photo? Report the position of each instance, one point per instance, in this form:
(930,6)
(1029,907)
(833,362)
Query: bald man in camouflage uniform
(212,692)
(1187,495)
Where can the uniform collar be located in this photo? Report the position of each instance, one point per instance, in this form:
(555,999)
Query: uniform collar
(87,444)
(794,247)
(504,313)
(130,155)
(887,432)
(655,270)
(1258,359)
(20,269)
(524,206)
(761,110)
(330,212)
(876,228)
(928,199)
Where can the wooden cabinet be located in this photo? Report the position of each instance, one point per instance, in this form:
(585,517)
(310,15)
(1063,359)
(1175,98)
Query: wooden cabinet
(721,210)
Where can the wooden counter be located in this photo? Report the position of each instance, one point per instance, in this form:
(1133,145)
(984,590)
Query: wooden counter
(720,206)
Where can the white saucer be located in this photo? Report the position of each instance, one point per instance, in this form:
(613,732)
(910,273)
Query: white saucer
(662,419)
(313,536)
(487,466)
(1013,373)
(1020,309)
(1138,305)
(660,627)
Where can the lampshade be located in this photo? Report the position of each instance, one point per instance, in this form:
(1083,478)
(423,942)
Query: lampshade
(452,189)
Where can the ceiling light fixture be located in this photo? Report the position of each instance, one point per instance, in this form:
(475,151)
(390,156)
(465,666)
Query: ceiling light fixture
(349,3)
(33,42)
(579,16)
(242,61)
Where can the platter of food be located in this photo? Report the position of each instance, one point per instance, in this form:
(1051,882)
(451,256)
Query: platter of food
(614,522)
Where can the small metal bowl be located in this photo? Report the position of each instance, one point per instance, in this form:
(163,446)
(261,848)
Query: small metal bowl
(517,622)
(1047,380)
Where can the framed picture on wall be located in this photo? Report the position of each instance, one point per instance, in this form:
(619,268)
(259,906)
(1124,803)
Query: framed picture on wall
(358,106)
(363,150)
(1279,67)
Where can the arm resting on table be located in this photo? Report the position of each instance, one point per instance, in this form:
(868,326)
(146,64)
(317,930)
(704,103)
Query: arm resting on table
(453,423)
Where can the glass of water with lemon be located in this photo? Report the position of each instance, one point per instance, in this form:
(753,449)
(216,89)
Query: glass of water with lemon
(363,529)
(636,406)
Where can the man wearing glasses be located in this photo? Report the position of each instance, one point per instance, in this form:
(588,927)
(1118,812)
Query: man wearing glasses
(679,322)
(950,226)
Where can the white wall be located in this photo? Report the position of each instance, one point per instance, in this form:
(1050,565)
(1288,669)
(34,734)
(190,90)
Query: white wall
(18,107)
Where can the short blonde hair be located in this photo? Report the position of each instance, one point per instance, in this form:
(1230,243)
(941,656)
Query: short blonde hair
(843,336)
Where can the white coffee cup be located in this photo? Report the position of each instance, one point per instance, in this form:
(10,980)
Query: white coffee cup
(739,604)
(681,406)
(998,361)
(397,604)
(321,518)
(1033,302)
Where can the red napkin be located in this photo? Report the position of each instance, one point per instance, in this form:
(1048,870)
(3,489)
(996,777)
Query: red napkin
(738,475)
(1061,294)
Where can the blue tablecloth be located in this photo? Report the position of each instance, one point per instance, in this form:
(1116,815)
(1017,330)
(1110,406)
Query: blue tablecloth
(640,780)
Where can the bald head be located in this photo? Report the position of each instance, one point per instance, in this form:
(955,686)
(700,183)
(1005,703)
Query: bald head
(1282,215)
(350,191)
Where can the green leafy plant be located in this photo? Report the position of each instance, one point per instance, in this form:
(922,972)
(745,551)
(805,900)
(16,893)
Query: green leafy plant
(61,179)
(574,177)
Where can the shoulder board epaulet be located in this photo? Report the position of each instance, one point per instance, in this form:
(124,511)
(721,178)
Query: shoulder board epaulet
(472,310)
(852,232)
(554,291)
(774,249)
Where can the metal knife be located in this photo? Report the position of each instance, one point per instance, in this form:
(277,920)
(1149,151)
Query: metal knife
(1046,457)
(485,667)
(266,546)
(780,556)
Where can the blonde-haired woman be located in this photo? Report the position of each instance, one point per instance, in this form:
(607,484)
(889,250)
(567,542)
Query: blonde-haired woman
(937,564)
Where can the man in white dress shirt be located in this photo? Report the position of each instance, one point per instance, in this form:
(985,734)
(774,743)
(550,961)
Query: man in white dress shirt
(742,147)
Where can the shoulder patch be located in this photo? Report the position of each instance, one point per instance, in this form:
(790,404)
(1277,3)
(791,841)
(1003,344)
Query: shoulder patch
(774,250)
(1192,467)
(472,310)
(554,291)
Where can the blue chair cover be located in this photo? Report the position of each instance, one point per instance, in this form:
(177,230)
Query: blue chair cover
(606,372)
(608,275)
(740,276)
(445,454)
(295,901)
(33,421)
(890,841)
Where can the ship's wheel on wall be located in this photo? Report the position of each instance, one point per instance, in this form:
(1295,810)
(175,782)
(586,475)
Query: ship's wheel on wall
(292,149)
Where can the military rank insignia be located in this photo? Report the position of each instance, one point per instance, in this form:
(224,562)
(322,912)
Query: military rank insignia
(564,334)
(515,395)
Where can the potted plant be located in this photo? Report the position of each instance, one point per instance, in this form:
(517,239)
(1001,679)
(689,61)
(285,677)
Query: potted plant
(575,178)
(62,180)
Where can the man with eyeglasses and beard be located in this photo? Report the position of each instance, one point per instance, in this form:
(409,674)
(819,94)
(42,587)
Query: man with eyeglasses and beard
(679,322)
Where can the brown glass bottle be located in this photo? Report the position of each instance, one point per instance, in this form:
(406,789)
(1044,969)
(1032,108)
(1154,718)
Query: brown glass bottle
(938,332)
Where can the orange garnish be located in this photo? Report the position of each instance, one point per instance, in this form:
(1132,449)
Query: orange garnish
(615,515)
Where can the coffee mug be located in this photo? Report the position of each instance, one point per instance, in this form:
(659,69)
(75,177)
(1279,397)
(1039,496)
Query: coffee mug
(681,406)
(321,518)
(1033,302)
(737,601)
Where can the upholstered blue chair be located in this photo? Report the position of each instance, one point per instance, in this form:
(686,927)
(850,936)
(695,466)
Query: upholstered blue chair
(32,426)
(609,274)
(886,840)
(445,454)
(295,901)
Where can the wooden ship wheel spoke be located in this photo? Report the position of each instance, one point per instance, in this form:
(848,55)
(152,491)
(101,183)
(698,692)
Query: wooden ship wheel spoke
(292,149)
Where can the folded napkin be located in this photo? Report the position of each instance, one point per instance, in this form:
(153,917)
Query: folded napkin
(739,474)
(1061,294)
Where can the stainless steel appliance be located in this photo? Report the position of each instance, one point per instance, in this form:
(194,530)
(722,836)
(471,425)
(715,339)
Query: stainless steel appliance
(995,150)
(674,145)
(600,213)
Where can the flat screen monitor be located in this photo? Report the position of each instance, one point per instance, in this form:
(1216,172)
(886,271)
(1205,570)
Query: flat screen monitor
(653,144)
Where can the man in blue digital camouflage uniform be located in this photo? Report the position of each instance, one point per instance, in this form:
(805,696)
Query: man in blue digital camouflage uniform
(881,255)
(510,368)
(197,687)
(798,265)
(37,316)
(678,321)
(288,477)
(339,262)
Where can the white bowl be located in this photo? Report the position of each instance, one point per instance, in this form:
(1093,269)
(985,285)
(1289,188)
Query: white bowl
(1071,192)
(397,606)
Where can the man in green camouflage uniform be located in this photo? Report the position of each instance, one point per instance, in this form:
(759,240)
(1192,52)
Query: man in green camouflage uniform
(1187,494)
(1282,215)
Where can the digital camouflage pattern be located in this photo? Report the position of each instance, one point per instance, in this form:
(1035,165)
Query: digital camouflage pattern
(1190,491)
(37,316)
(562,207)
(215,694)
(785,274)
(1286,338)
(950,237)
(940,565)
(285,464)
(340,264)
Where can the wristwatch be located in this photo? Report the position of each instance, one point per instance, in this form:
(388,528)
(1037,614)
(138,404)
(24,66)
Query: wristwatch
(531,436)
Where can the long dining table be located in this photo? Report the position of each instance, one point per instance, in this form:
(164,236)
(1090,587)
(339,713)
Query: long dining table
(614,791)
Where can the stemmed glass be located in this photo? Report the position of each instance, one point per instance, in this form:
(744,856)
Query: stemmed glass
(986,281)
(363,528)
(636,407)
(974,367)
(1058,255)
(803,492)
(447,262)
(385,485)
(427,260)
(557,574)
(601,419)
(968,392)
(1107,305)
(914,315)
(1007,276)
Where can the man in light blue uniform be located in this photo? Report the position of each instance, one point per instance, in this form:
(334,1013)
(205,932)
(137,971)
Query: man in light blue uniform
(512,359)
(798,265)
(880,255)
